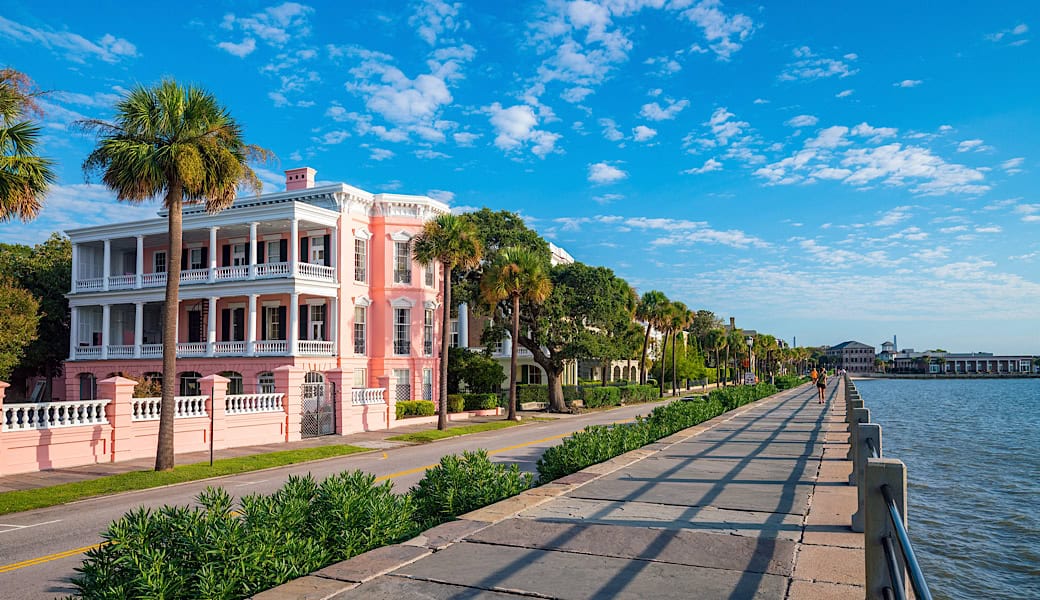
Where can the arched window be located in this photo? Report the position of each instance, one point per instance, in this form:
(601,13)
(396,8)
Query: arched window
(617,373)
(87,386)
(265,383)
(235,385)
(190,384)
(314,377)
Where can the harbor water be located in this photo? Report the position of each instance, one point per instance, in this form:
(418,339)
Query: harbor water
(972,451)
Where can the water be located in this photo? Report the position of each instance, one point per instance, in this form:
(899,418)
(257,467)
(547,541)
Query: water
(972,452)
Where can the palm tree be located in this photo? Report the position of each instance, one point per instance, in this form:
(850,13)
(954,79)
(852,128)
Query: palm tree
(679,319)
(453,242)
(24,176)
(649,311)
(179,143)
(735,343)
(716,340)
(515,274)
(664,324)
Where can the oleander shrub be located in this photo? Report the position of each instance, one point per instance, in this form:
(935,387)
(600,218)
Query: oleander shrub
(480,401)
(415,408)
(460,484)
(631,394)
(597,396)
(456,403)
(532,393)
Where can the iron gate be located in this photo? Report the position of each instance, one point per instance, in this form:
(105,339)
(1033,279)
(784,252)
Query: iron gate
(319,401)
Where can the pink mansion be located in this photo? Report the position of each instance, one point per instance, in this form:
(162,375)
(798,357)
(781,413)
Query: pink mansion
(316,277)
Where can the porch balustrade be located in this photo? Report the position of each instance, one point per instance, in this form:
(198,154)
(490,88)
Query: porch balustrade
(315,347)
(316,271)
(194,275)
(122,282)
(232,273)
(52,415)
(229,348)
(196,349)
(241,404)
(267,347)
(121,351)
(363,396)
(148,409)
(93,284)
(153,280)
(191,348)
(278,269)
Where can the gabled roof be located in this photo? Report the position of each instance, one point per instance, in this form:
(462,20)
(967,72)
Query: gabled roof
(851,344)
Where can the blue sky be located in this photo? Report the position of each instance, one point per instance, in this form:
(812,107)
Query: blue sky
(826,170)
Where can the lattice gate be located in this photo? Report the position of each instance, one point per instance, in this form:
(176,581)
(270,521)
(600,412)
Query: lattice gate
(319,409)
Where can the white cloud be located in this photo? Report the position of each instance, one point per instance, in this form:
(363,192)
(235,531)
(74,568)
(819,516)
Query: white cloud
(73,206)
(665,65)
(433,18)
(831,137)
(442,195)
(427,154)
(275,25)
(604,173)
(1012,165)
(655,112)
(844,94)
(1030,212)
(380,154)
(875,134)
(607,198)
(610,130)
(968,145)
(465,138)
(334,137)
(725,33)
(802,121)
(709,165)
(894,216)
(576,94)
(516,127)
(241,49)
(1016,31)
(643,133)
(908,83)
(989,229)
(808,65)
(761,101)
(75,47)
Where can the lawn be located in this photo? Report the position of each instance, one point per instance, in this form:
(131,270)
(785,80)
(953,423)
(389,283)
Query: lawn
(22,500)
(423,437)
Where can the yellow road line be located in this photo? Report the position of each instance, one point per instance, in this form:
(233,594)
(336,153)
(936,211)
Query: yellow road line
(43,559)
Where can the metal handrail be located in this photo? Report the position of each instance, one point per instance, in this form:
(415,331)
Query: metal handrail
(899,590)
(873,449)
(913,567)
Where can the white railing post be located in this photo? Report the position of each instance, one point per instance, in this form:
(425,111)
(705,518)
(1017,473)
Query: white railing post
(859,415)
(869,433)
(878,525)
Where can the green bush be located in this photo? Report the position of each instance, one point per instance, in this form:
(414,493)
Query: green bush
(631,394)
(596,397)
(415,408)
(460,484)
(786,382)
(532,393)
(480,401)
(571,393)
(456,403)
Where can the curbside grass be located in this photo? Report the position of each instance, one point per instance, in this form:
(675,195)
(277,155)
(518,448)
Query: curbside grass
(423,437)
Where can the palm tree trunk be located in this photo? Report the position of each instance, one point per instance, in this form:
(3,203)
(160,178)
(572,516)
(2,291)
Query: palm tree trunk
(164,459)
(511,415)
(673,361)
(442,387)
(727,365)
(664,350)
(642,360)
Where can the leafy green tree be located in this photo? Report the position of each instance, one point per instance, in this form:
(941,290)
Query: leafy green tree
(24,176)
(516,274)
(688,364)
(650,310)
(702,322)
(496,230)
(717,341)
(19,319)
(480,373)
(679,320)
(179,144)
(453,242)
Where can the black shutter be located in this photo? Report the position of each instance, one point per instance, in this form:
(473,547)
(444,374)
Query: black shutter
(304,250)
(184,259)
(281,322)
(239,316)
(328,250)
(205,257)
(226,259)
(261,253)
(225,324)
(283,251)
(303,321)
(263,323)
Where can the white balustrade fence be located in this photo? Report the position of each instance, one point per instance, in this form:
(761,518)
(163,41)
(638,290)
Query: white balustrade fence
(225,348)
(315,347)
(233,273)
(240,404)
(52,415)
(367,396)
(270,347)
(317,271)
(120,351)
(153,279)
(90,285)
(278,269)
(191,349)
(147,409)
(194,275)
(151,351)
(122,282)
(88,352)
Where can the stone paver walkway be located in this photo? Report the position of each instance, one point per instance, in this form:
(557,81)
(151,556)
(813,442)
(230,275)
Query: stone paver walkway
(753,504)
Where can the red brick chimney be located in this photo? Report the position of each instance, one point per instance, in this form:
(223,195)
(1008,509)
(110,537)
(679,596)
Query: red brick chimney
(299,179)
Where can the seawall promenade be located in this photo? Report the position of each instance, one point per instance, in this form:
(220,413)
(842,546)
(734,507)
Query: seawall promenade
(752,504)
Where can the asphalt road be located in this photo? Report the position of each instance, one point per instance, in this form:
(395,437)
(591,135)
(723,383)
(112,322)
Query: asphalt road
(40,549)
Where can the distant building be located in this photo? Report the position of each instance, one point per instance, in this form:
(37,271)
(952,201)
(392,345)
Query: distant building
(961,363)
(854,357)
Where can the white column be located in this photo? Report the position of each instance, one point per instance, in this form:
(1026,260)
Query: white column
(138,323)
(252,250)
(251,325)
(73,326)
(211,333)
(75,266)
(106,321)
(294,246)
(140,261)
(294,323)
(332,250)
(332,322)
(106,267)
(213,253)
(463,325)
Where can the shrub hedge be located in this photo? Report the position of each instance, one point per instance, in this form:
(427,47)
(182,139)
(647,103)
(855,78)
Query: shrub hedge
(631,394)
(415,408)
(456,403)
(460,484)
(532,393)
(786,382)
(480,401)
(595,397)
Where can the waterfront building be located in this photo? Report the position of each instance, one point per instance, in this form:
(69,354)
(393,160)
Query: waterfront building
(854,357)
(315,277)
(962,363)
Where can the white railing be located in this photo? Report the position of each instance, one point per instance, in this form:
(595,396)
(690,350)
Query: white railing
(120,351)
(367,396)
(233,273)
(153,279)
(191,349)
(122,282)
(229,348)
(278,269)
(194,275)
(90,285)
(88,351)
(52,415)
(240,404)
(151,351)
(148,409)
(315,347)
(317,271)
(270,347)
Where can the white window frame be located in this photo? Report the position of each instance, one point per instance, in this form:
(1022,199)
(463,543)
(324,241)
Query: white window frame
(360,329)
(265,383)
(453,340)
(272,322)
(273,250)
(360,260)
(403,262)
(159,264)
(429,274)
(238,255)
(193,254)
(316,322)
(361,377)
(427,384)
(428,318)
(402,329)
(316,250)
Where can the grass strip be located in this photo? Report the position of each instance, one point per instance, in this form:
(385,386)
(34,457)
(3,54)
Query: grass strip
(22,500)
(423,437)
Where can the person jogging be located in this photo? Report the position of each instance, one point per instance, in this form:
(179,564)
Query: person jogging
(821,383)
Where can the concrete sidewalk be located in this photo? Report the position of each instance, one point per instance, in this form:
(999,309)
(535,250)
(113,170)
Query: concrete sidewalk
(753,504)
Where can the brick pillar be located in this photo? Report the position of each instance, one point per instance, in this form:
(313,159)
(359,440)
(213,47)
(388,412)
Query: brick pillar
(344,410)
(391,400)
(119,412)
(288,380)
(215,388)
(3,392)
